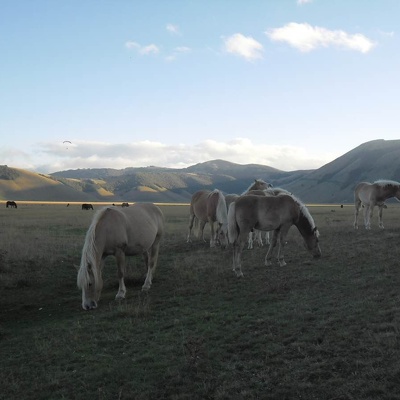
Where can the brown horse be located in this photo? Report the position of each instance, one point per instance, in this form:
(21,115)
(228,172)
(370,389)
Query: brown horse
(207,206)
(277,214)
(371,195)
(119,232)
(11,204)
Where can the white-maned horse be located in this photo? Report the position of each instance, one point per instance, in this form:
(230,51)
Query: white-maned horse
(371,195)
(275,213)
(207,206)
(119,232)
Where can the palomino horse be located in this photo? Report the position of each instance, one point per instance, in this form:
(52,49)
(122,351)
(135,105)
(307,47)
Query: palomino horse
(258,187)
(11,204)
(207,206)
(256,234)
(277,214)
(119,232)
(371,195)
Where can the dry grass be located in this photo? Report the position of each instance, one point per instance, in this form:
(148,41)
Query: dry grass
(326,329)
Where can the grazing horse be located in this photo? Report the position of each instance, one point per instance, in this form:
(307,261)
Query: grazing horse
(125,205)
(11,204)
(207,206)
(277,214)
(256,234)
(119,232)
(371,195)
(86,206)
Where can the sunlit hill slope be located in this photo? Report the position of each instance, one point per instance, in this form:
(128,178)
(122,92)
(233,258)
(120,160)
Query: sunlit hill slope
(332,183)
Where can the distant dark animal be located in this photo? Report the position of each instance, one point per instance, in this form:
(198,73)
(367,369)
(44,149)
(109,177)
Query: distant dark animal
(86,206)
(207,206)
(119,232)
(68,205)
(371,195)
(275,213)
(125,204)
(11,204)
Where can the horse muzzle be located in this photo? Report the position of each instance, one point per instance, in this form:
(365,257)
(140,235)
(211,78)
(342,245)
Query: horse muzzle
(90,305)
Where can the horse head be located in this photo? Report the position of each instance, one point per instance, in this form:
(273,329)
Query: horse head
(311,242)
(91,284)
(222,235)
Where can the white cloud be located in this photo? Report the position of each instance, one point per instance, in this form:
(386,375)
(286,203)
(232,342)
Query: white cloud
(243,46)
(54,157)
(144,50)
(305,38)
(177,51)
(174,29)
(301,2)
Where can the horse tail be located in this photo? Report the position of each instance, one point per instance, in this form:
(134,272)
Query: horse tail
(233,228)
(89,254)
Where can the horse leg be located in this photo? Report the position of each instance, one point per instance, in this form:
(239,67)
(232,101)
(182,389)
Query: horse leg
(271,247)
(282,241)
(212,238)
(368,211)
(250,241)
(237,256)
(357,206)
(191,222)
(120,257)
(151,258)
(259,240)
(380,217)
(201,230)
(267,238)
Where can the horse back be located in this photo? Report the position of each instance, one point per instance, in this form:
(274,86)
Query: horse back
(265,212)
(368,193)
(198,204)
(133,229)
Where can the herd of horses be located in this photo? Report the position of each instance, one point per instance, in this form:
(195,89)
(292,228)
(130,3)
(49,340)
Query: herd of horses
(233,219)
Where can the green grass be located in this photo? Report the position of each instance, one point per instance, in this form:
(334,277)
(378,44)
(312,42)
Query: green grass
(315,329)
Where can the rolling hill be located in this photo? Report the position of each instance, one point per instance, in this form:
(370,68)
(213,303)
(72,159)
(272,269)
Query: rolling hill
(332,183)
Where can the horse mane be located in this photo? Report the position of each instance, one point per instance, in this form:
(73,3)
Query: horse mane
(305,213)
(221,211)
(277,191)
(386,182)
(89,253)
(261,181)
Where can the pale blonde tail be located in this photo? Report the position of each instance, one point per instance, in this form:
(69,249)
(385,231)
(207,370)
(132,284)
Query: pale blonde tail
(233,229)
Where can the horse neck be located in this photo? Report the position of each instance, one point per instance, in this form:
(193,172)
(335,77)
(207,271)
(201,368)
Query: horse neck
(392,191)
(90,254)
(305,223)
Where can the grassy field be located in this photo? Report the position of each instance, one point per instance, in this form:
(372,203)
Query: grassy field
(315,329)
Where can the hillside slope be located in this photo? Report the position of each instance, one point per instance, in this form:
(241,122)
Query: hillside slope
(332,183)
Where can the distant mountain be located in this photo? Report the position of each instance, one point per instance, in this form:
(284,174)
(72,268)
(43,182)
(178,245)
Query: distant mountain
(332,183)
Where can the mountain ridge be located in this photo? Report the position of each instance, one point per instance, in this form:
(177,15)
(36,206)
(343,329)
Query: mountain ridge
(332,183)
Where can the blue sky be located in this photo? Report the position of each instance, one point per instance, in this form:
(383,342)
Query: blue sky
(286,83)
